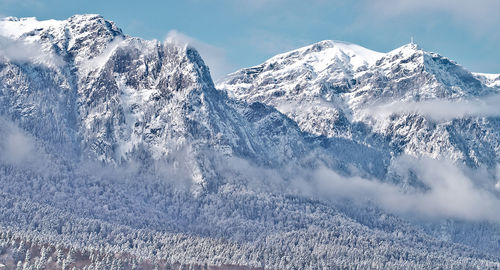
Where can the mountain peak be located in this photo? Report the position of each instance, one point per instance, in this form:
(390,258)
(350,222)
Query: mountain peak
(93,23)
(407,49)
(86,17)
(15,28)
(356,55)
(92,19)
(128,137)
(19,28)
(412,46)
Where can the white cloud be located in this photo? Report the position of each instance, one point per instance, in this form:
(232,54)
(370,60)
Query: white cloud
(272,43)
(451,194)
(24,51)
(497,185)
(481,14)
(439,110)
(214,57)
(19,149)
(16,147)
(451,191)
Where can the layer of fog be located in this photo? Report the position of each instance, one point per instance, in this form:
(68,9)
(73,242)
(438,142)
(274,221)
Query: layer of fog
(440,110)
(450,193)
(450,190)
(18,148)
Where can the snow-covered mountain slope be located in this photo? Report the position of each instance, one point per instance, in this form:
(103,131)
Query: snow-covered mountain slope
(491,80)
(305,82)
(91,92)
(416,87)
(104,138)
(385,102)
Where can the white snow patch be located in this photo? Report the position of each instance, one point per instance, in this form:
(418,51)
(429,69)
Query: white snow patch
(322,54)
(28,51)
(132,99)
(490,79)
(100,60)
(15,28)
(489,76)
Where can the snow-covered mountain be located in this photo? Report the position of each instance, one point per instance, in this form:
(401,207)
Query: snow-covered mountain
(381,99)
(306,82)
(115,98)
(491,80)
(120,152)
(407,102)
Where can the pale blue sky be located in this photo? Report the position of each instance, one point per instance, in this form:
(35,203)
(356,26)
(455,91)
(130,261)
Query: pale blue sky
(232,34)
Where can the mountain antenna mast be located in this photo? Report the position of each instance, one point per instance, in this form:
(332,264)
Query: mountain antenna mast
(411,40)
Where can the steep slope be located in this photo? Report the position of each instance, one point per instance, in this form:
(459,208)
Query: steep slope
(304,83)
(116,99)
(378,102)
(491,80)
(408,80)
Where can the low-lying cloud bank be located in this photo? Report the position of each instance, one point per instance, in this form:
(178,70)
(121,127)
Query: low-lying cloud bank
(451,191)
(444,189)
(17,148)
(440,110)
(415,186)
